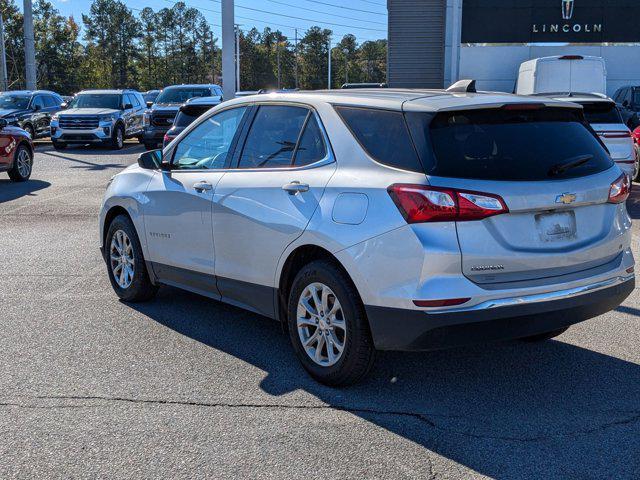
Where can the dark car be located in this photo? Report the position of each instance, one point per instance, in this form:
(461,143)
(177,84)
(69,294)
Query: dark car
(187,114)
(159,118)
(16,152)
(30,110)
(628,99)
(150,97)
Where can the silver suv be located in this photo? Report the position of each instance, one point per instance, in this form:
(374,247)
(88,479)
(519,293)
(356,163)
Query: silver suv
(380,220)
(102,117)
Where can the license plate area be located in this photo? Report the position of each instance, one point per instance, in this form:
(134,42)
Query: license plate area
(556,226)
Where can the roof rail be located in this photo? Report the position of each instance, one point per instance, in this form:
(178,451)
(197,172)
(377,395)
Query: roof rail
(463,86)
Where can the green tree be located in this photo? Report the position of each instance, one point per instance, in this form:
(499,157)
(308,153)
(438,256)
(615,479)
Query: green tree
(313,58)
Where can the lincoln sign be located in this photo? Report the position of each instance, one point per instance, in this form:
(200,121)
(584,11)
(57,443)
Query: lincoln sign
(540,21)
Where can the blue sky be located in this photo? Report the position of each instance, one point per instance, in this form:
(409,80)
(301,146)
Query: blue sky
(366,19)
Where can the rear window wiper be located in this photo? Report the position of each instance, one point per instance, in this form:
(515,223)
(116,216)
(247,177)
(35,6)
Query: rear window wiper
(573,162)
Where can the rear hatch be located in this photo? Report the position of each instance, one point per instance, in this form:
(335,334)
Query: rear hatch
(553,175)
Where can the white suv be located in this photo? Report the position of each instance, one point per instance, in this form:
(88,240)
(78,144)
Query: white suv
(387,219)
(604,117)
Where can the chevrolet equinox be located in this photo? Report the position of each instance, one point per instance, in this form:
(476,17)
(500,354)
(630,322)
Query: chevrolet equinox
(380,220)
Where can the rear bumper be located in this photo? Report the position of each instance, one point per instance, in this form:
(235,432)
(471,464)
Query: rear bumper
(505,319)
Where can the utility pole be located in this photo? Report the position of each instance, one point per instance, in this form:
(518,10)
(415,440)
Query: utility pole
(346,66)
(295,56)
(4,81)
(229,82)
(29,46)
(278,56)
(329,72)
(237,58)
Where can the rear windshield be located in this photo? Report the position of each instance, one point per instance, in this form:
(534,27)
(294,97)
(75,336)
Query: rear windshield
(500,144)
(181,94)
(601,113)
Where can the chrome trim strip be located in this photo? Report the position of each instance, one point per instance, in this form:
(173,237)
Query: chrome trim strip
(537,298)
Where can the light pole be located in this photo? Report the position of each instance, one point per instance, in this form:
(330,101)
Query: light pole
(229,72)
(329,67)
(29,47)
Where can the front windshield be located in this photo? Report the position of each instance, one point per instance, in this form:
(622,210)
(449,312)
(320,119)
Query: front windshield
(181,95)
(14,102)
(97,100)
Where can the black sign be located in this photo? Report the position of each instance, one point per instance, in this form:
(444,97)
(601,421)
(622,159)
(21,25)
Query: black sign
(531,21)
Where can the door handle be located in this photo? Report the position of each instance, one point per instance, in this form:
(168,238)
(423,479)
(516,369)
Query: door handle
(295,187)
(202,187)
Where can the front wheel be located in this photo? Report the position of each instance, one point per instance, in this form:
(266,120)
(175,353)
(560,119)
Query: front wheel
(22,165)
(117,140)
(328,326)
(125,263)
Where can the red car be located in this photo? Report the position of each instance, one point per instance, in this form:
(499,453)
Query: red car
(16,152)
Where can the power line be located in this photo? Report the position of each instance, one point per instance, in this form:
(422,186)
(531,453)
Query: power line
(325,13)
(306,19)
(346,8)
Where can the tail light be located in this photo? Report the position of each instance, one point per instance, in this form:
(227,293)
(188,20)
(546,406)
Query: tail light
(619,191)
(167,139)
(421,203)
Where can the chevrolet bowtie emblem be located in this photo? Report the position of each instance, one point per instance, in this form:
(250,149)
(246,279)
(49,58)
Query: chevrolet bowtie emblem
(566,198)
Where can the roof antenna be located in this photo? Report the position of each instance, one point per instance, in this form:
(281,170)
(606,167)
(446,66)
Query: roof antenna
(463,86)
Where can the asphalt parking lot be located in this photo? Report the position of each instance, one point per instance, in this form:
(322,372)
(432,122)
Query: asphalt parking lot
(185,387)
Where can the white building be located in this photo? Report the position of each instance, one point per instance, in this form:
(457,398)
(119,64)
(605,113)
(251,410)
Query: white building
(433,43)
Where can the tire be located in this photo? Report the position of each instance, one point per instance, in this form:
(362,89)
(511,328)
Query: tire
(29,129)
(22,165)
(130,288)
(541,337)
(348,326)
(58,145)
(117,140)
(150,146)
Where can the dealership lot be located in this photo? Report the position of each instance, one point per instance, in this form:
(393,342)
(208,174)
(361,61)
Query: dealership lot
(187,387)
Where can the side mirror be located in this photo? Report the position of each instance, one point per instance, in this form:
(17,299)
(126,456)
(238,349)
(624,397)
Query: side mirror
(625,103)
(128,106)
(151,160)
(36,107)
(149,104)
(3,123)
(64,105)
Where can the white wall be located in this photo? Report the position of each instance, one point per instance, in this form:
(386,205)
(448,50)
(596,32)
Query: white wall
(496,67)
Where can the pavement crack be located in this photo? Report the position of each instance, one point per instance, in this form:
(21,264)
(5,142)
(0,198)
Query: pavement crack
(425,418)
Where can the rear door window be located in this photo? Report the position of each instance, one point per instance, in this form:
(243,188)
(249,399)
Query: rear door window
(273,137)
(501,144)
(383,135)
(601,112)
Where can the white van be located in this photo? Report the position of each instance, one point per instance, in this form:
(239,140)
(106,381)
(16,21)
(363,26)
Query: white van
(568,73)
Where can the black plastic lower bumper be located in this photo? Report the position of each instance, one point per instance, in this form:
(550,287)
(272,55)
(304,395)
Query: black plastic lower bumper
(399,329)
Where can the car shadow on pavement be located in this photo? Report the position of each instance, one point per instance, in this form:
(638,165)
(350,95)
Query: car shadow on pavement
(509,410)
(87,165)
(13,190)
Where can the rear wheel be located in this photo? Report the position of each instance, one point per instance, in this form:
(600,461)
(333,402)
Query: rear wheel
(125,263)
(150,146)
(22,165)
(541,337)
(59,145)
(29,129)
(328,326)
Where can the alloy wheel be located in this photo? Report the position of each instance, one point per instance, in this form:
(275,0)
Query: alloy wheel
(121,259)
(321,324)
(119,138)
(24,163)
